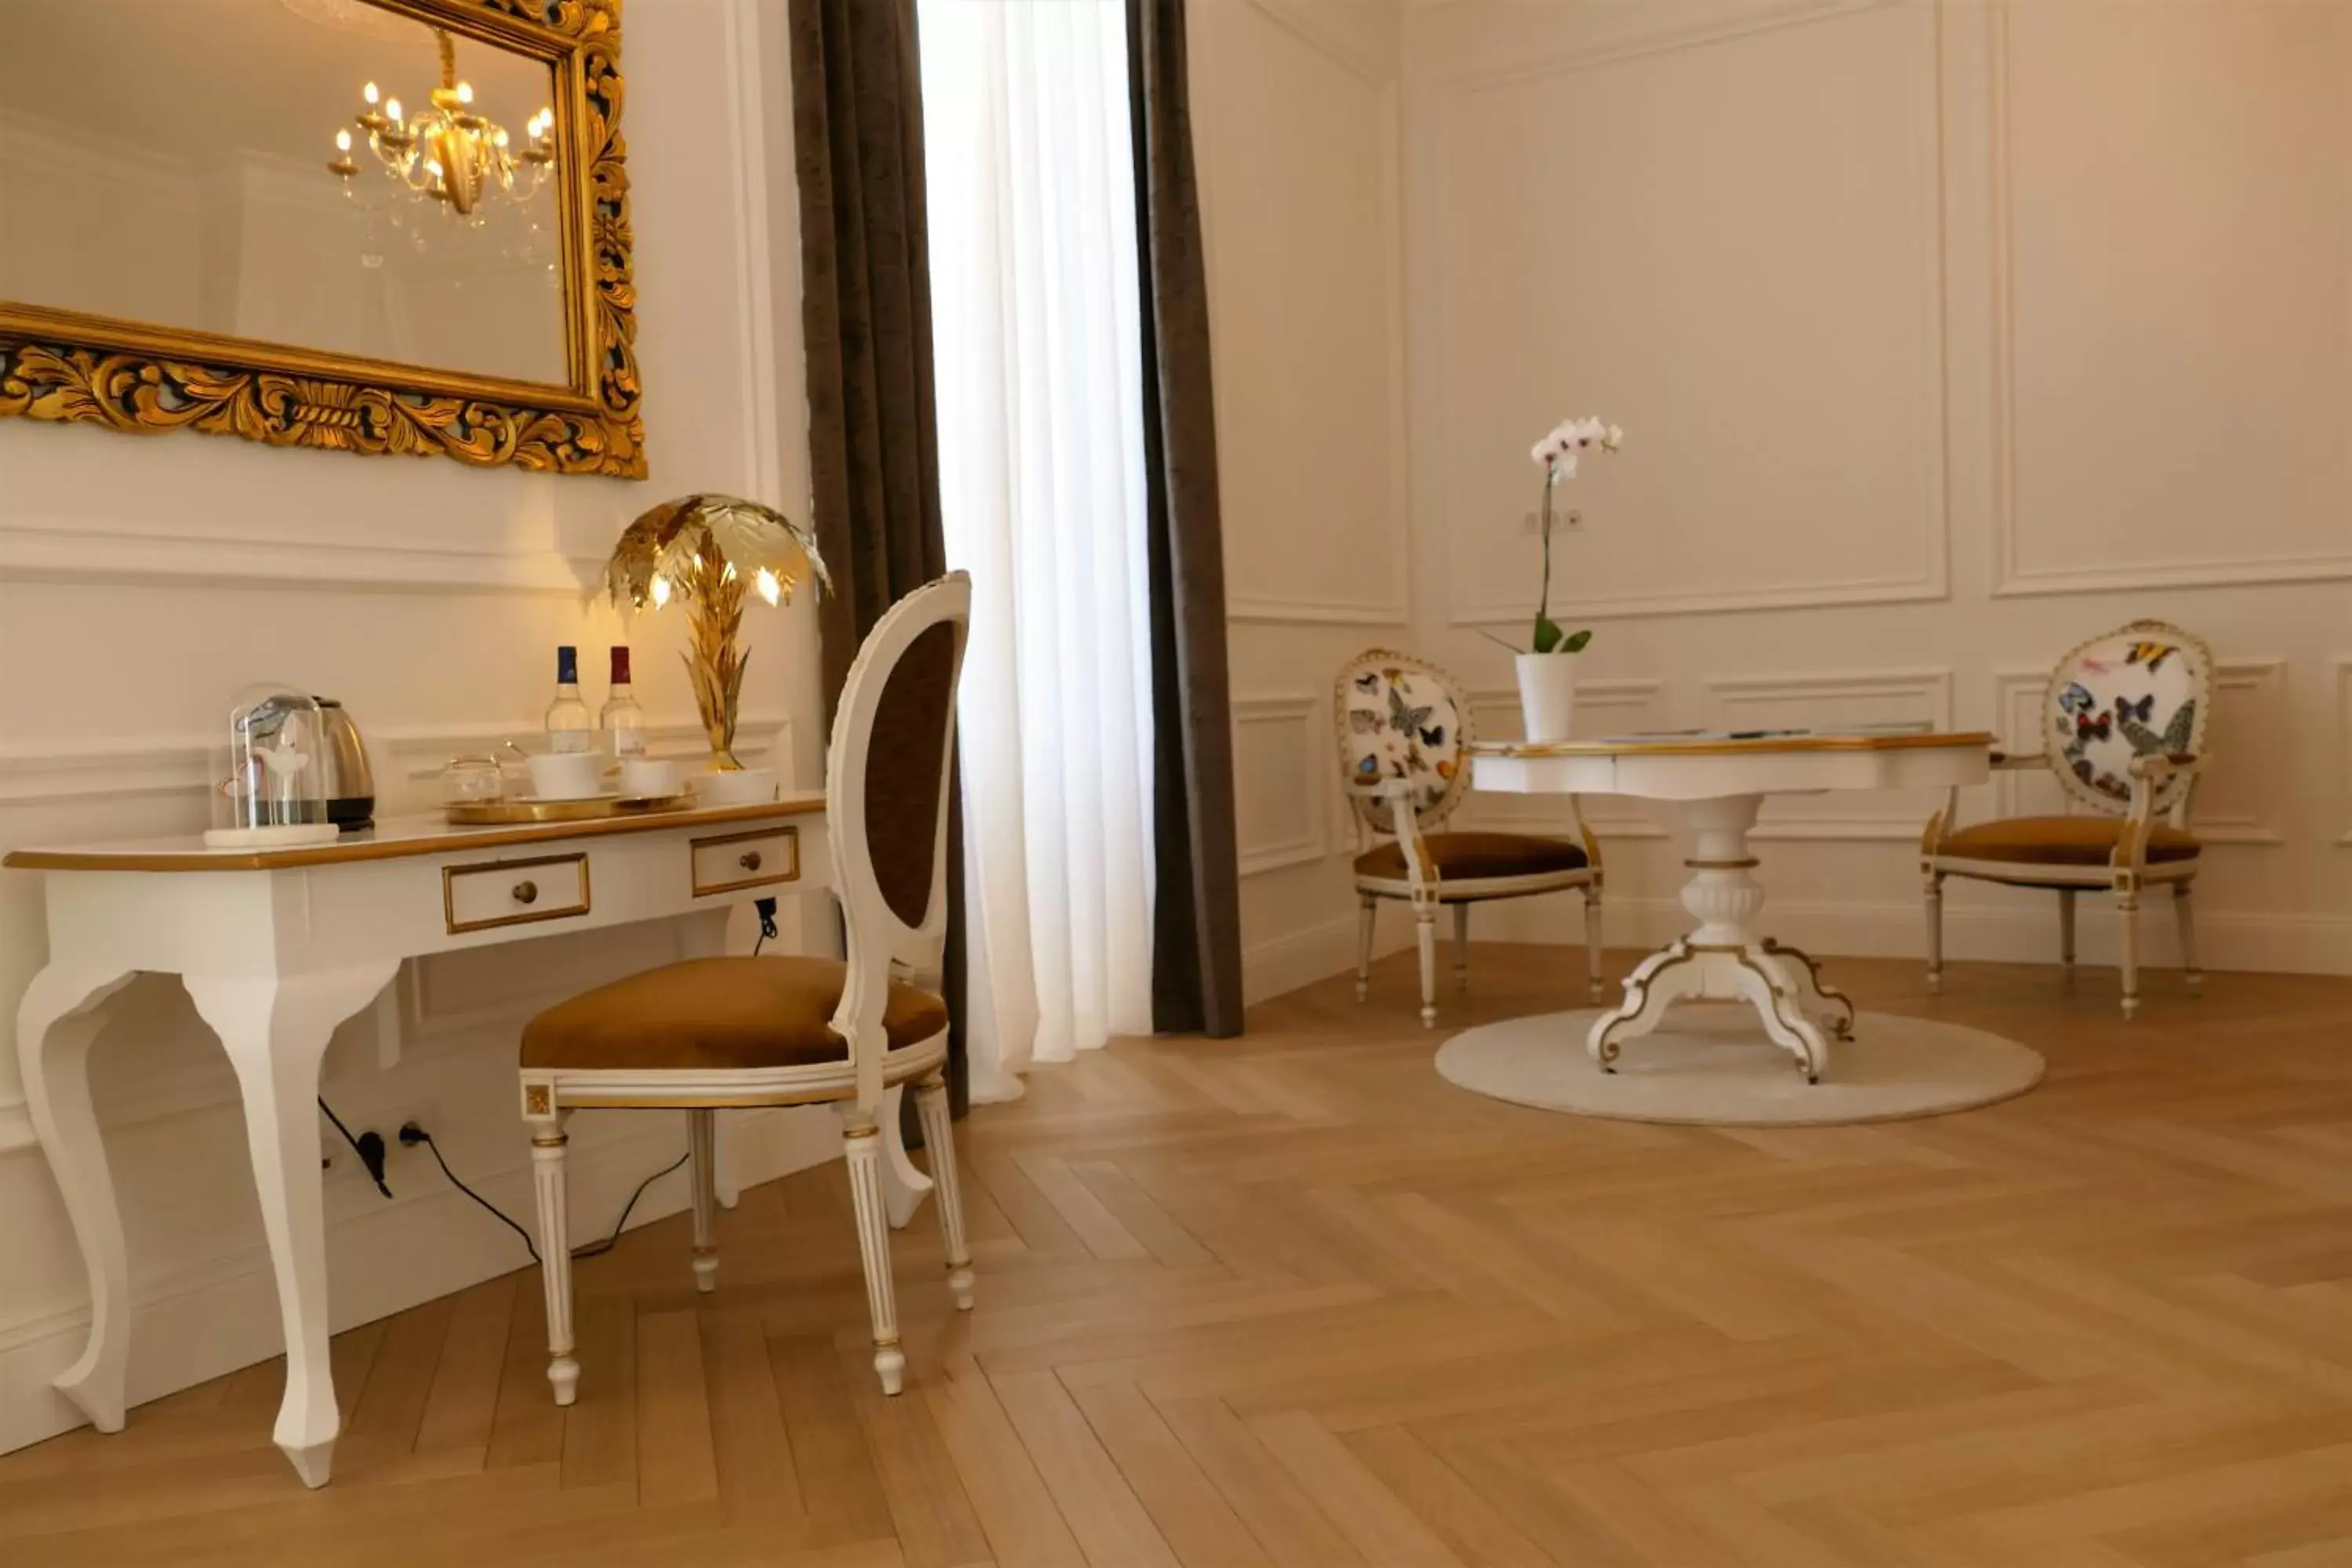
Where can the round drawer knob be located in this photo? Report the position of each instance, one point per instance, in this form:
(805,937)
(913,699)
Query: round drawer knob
(526,892)
(751,860)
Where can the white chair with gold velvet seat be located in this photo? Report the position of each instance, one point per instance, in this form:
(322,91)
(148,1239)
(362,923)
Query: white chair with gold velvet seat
(753,1031)
(1404,733)
(2123,728)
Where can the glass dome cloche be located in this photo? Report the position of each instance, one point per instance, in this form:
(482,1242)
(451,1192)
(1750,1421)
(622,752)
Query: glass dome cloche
(274,774)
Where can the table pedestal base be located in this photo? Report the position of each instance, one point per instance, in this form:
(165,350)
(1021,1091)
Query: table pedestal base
(1724,960)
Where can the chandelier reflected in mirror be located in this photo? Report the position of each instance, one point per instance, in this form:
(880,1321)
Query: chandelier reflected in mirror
(448,155)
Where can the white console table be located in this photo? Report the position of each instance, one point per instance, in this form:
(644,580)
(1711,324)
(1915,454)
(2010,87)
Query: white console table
(277,947)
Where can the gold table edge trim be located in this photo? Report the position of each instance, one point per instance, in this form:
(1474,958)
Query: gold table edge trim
(1718,747)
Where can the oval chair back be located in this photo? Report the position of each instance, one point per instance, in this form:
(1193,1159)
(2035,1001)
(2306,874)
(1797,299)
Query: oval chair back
(887,780)
(1401,717)
(2146,687)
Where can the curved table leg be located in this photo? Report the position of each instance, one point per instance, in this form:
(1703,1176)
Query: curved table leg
(904,1186)
(1799,975)
(1647,998)
(1784,1021)
(275,1029)
(56,1022)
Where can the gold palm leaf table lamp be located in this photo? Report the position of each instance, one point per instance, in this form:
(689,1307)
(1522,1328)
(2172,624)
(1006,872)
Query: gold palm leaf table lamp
(709,551)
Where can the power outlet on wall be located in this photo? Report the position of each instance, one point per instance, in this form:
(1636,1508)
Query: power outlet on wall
(343,1165)
(1531,523)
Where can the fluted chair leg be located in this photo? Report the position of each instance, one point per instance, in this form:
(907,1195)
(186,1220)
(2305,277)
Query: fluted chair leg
(1461,947)
(1935,933)
(702,1160)
(1424,924)
(2127,914)
(547,1149)
(1364,920)
(947,1184)
(861,1148)
(2192,975)
(1593,982)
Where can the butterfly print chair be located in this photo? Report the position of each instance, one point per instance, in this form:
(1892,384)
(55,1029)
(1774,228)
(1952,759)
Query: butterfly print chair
(2123,727)
(1404,734)
(714,1032)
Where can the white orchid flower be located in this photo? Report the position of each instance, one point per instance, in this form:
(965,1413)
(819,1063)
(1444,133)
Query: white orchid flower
(1611,439)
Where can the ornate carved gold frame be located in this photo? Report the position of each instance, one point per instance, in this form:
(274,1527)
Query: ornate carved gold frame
(68,365)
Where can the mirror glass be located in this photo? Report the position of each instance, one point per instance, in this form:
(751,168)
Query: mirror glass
(217,165)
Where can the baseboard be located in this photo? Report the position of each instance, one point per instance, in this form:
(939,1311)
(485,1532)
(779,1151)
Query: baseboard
(206,1320)
(2022,931)
(1300,958)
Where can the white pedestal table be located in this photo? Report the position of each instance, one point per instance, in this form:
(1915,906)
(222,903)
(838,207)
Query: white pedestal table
(1717,784)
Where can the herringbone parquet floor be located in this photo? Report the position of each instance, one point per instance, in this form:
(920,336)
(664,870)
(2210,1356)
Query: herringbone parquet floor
(1294,1300)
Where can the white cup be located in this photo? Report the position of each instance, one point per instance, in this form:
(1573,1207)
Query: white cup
(566,775)
(648,778)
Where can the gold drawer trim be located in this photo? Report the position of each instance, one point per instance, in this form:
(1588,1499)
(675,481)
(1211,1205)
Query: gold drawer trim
(449,875)
(758,875)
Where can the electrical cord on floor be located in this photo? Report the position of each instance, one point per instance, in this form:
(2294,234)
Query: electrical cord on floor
(411,1133)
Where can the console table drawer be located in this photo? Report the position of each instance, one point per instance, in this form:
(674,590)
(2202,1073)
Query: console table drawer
(514,893)
(731,862)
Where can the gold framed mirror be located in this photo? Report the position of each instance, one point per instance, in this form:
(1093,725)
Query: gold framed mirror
(220,215)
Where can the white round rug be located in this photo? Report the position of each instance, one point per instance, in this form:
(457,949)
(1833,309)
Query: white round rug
(1710,1065)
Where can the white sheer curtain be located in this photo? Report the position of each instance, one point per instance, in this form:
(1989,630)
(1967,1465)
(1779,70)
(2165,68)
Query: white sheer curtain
(1038,348)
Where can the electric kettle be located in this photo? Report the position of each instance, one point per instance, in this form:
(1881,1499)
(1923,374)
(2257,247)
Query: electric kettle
(351,787)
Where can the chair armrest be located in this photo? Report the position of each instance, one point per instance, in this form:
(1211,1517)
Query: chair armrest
(2166,764)
(2004,762)
(2150,773)
(1398,793)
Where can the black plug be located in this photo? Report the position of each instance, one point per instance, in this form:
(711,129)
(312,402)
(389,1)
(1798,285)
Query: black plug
(411,1135)
(766,909)
(369,1145)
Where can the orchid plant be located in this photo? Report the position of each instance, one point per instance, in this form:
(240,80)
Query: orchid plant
(1558,455)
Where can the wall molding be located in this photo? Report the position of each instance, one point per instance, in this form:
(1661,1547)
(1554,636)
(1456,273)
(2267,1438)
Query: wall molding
(1639,42)
(1932,581)
(2010,579)
(1931,686)
(1394,608)
(2343,663)
(1306,712)
(61,551)
(78,772)
(1609,817)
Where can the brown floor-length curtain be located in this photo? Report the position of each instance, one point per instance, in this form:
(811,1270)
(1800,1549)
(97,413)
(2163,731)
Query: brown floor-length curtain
(866,309)
(1196,956)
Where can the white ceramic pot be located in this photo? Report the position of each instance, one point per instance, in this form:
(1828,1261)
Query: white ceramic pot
(744,786)
(1546,694)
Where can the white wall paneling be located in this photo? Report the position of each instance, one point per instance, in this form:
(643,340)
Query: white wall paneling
(2171,215)
(2344,746)
(1583,204)
(1283,755)
(1298,117)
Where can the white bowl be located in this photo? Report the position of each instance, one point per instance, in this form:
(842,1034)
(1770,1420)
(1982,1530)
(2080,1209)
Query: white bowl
(744,786)
(648,778)
(567,775)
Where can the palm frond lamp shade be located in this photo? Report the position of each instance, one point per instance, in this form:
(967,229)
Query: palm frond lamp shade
(707,552)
